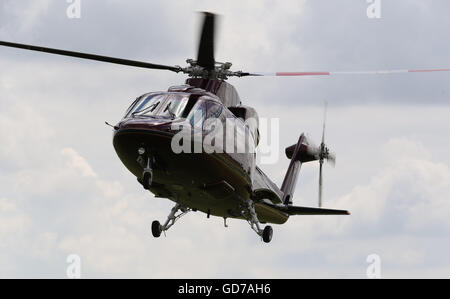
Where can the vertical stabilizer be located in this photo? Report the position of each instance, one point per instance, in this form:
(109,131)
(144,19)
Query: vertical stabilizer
(290,179)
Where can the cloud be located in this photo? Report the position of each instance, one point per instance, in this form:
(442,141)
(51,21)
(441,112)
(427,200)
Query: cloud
(75,161)
(110,229)
(402,207)
(21,129)
(406,197)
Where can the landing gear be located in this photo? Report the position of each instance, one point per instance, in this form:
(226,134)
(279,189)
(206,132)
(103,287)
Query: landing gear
(265,233)
(157,228)
(147,179)
(146,160)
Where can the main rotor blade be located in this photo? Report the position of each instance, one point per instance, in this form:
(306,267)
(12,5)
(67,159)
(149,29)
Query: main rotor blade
(205,56)
(91,57)
(380,72)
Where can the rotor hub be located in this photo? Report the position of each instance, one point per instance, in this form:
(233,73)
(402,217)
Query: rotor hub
(221,70)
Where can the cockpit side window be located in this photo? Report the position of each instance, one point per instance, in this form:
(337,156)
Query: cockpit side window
(214,110)
(197,114)
(127,113)
(190,104)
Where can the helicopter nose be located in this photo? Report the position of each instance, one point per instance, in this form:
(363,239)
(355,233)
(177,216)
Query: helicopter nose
(144,137)
(152,124)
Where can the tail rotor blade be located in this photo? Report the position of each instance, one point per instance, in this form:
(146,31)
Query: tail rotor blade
(320,183)
(324,121)
(324,153)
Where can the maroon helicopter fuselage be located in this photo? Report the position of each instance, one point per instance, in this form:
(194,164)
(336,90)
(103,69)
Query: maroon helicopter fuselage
(216,183)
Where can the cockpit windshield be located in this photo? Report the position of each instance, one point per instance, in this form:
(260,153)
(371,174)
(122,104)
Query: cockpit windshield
(159,105)
(174,106)
(146,105)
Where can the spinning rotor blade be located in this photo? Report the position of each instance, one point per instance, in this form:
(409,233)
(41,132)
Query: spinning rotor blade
(205,56)
(380,72)
(324,153)
(320,183)
(92,57)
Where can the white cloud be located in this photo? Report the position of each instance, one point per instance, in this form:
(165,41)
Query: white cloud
(75,161)
(406,197)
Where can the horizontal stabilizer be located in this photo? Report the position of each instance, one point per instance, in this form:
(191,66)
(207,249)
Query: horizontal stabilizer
(293,210)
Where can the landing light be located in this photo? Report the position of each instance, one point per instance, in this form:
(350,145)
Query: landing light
(141,151)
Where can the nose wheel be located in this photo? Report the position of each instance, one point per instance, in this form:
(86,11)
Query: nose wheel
(146,160)
(147,179)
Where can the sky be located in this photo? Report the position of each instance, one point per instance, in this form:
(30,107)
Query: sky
(64,191)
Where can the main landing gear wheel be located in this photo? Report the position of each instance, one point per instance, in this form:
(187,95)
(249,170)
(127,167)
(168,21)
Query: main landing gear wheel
(156,229)
(267,234)
(253,220)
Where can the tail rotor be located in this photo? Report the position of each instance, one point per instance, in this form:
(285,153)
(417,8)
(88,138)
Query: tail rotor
(324,154)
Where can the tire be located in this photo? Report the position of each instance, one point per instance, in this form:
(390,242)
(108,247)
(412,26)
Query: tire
(156,229)
(147,180)
(267,234)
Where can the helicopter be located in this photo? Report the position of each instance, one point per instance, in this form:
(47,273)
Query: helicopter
(225,181)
